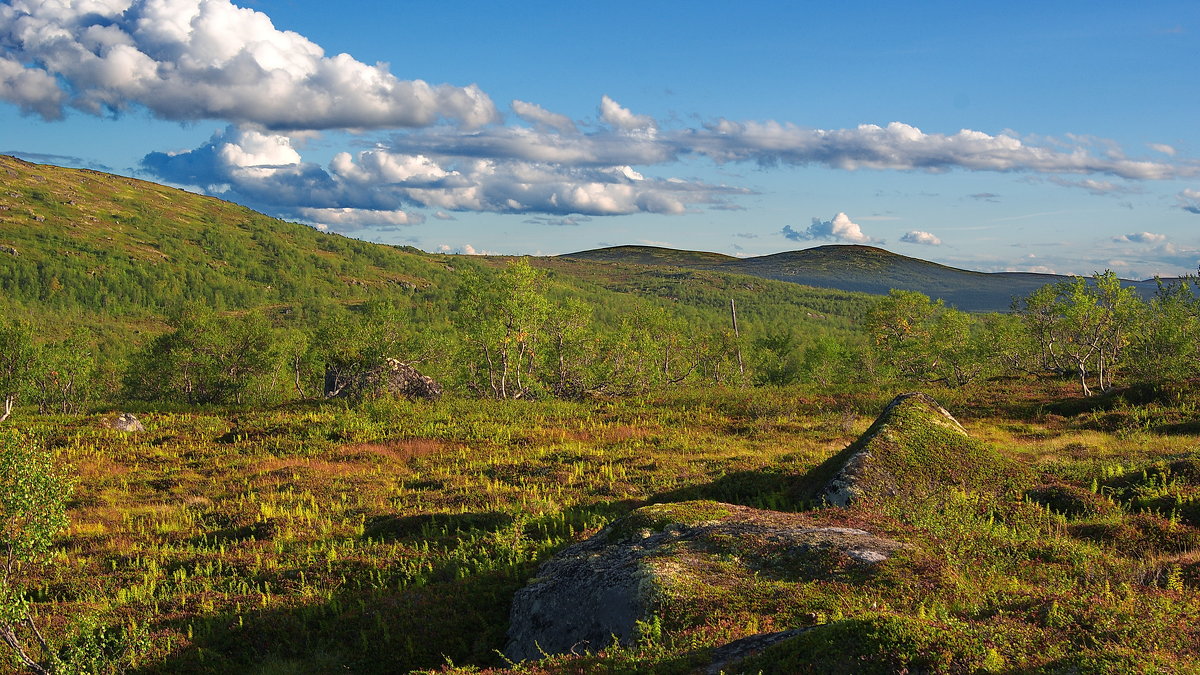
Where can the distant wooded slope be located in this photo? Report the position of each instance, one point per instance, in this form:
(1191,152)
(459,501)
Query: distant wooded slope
(865,269)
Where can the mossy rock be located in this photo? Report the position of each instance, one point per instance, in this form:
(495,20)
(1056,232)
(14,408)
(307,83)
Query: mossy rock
(1072,501)
(700,559)
(915,449)
(656,517)
(882,644)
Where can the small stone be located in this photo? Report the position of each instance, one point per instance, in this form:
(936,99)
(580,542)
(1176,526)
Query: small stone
(125,422)
(867,557)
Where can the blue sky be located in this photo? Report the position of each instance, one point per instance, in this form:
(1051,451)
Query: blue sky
(994,136)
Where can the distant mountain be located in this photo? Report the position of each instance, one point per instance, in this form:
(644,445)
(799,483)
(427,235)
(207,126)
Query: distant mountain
(865,269)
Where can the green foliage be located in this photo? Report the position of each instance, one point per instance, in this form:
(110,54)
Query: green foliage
(18,361)
(208,358)
(1083,327)
(502,319)
(33,495)
(926,341)
(1166,347)
(65,381)
(346,344)
(776,359)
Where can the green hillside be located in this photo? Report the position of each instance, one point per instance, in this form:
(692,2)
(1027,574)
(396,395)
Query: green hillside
(655,255)
(865,269)
(98,247)
(82,239)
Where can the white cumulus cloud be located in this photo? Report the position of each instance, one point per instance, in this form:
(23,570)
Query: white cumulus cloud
(347,219)
(840,228)
(919,237)
(264,168)
(206,59)
(622,118)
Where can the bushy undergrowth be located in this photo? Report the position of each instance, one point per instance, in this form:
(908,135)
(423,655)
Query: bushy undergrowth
(391,536)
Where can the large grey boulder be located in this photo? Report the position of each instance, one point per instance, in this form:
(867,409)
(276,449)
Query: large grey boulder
(598,590)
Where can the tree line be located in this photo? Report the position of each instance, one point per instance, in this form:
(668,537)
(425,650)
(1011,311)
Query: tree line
(504,334)
(1093,330)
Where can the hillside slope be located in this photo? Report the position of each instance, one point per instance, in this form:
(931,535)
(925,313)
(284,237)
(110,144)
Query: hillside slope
(865,269)
(100,247)
(74,238)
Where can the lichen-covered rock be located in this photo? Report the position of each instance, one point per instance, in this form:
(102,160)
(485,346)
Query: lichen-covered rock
(394,377)
(915,448)
(598,590)
(123,422)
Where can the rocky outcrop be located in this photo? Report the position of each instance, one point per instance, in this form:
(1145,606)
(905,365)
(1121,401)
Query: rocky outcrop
(598,590)
(706,559)
(393,377)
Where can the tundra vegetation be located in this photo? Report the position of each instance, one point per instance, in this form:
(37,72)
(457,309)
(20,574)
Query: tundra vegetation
(258,525)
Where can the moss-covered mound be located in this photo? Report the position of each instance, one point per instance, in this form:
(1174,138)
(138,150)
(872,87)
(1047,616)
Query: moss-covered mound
(1141,534)
(913,450)
(1072,501)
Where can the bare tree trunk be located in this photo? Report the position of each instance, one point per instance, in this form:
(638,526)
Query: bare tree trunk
(562,368)
(504,373)
(8,406)
(9,637)
(737,336)
(1083,379)
(487,353)
(296,371)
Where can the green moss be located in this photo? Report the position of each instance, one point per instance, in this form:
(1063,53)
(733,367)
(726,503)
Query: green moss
(878,644)
(1141,534)
(656,517)
(1072,501)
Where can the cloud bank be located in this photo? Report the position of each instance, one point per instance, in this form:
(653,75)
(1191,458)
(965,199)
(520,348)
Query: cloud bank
(1141,238)
(205,59)
(263,168)
(444,147)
